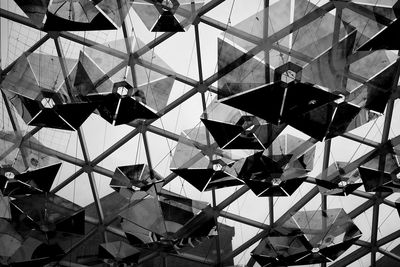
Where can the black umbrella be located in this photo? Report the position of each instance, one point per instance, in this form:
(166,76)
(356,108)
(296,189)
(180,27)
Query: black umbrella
(308,237)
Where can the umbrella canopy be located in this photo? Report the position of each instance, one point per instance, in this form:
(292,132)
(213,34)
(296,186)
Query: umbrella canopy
(48,213)
(137,178)
(308,237)
(118,252)
(55,114)
(13,183)
(233,130)
(278,101)
(342,185)
(163,215)
(204,169)
(21,153)
(65,15)
(279,173)
(268,177)
(122,105)
(167,16)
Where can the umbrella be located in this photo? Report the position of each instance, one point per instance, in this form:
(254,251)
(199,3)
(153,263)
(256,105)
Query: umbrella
(52,113)
(325,122)
(48,213)
(35,181)
(21,154)
(308,237)
(342,185)
(278,101)
(65,15)
(232,130)
(155,87)
(34,252)
(268,177)
(118,252)
(117,108)
(204,167)
(248,75)
(137,178)
(163,215)
(276,172)
(169,16)
(32,74)
(114,10)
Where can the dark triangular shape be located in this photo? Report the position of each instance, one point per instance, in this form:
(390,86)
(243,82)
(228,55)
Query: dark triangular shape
(167,23)
(41,178)
(56,23)
(49,118)
(223,133)
(264,101)
(75,113)
(130,109)
(199,178)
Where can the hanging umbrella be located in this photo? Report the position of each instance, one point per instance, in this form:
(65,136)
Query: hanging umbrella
(117,108)
(30,182)
(116,11)
(276,172)
(204,167)
(49,213)
(268,177)
(34,252)
(342,185)
(58,115)
(167,17)
(33,73)
(22,154)
(325,122)
(278,101)
(118,252)
(308,237)
(65,15)
(163,215)
(137,178)
(233,130)
(376,179)
(248,75)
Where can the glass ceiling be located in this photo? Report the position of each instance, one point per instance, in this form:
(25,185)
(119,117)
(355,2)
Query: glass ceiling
(278,118)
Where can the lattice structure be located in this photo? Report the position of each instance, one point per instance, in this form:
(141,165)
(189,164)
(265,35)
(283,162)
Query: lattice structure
(289,116)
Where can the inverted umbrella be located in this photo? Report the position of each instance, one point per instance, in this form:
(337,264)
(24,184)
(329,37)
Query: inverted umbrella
(21,153)
(342,185)
(137,178)
(268,177)
(163,215)
(308,237)
(117,108)
(58,115)
(167,16)
(277,101)
(65,15)
(204,167)
(30,182)
(233,130)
